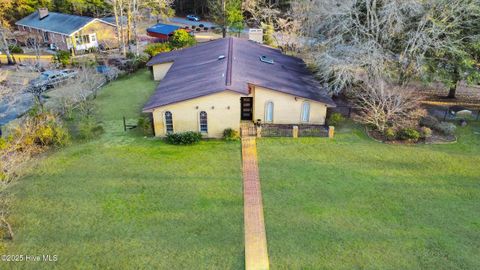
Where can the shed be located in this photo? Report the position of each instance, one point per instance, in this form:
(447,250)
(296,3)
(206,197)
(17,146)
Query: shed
(162,31)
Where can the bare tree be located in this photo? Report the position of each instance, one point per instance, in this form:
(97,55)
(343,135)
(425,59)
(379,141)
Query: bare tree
(261,12)
(3,40)
(383,105)
(127,15)
(383,39)
(218,10)
(118,10)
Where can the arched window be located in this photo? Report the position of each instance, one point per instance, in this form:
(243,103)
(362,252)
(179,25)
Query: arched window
(305,112)
(269,112)
(203,122)
(169,122)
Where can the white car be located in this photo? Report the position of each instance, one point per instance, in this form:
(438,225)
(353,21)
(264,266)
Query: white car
(192,17)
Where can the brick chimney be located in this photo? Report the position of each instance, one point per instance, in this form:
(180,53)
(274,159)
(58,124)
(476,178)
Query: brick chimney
(42,13)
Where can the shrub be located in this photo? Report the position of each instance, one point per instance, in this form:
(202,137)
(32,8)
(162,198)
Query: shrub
(409,134)
(130,55)
(335,119)
(189,137)
(140,61)
(88,128)
(201,25)
(446,128)
(62,57)
(3,143)
(145,125)
(425,132)
(181,39)
(15,49)
(62,136)
(429,121)
(231,134)
(390,134)
(268,31)
(45,135)
(156,48)
(198,29)
(205,28)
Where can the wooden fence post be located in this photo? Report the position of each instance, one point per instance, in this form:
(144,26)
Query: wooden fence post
(259,132)
(331,132)
(124,124)
(295,132)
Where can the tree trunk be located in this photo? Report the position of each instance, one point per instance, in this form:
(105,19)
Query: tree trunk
(224,13)
(122,31)
(5,45)
(117,24)
(453,91)
(135,27)
(129,23)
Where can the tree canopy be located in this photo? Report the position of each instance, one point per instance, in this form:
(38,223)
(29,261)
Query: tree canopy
(393,40)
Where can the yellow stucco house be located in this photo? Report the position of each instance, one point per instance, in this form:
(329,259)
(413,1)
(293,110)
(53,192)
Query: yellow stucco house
(223,83)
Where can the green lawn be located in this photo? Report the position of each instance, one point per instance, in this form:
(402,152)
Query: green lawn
(127,202)
(352,203)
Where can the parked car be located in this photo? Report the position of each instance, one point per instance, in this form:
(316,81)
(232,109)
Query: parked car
(51,78)
(192,17)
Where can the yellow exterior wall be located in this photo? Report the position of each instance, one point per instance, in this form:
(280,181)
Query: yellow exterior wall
(286,110)
(160,70)
(106,33)
(186,116)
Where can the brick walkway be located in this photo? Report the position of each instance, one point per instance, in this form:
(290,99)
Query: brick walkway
(256,253)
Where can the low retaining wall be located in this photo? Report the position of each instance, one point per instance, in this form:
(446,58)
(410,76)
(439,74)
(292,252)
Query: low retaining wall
(281,130)
(27,58)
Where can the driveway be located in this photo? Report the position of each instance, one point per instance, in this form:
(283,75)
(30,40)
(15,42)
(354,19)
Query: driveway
(184,21)
(10,110)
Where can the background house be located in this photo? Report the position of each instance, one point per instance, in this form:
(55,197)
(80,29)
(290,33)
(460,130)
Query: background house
(68,32)
(227,82)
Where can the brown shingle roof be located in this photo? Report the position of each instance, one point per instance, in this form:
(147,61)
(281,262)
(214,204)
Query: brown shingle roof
(198,71)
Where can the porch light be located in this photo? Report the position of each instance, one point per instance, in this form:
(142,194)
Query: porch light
(213,107)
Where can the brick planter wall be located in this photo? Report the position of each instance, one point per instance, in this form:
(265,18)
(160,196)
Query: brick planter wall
(282,130)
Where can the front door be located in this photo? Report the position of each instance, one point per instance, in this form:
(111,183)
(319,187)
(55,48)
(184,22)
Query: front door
(246,108)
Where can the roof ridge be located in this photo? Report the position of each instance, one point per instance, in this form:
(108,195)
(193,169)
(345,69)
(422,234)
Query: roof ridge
(228,79)
(68,14)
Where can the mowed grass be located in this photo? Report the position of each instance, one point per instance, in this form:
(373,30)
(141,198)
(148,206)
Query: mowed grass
(128,202)
(351,203)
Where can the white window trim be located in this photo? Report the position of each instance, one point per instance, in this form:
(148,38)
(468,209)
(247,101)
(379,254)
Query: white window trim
(94,35)
(200,123)
(165,122)
(309,111)
(266,111)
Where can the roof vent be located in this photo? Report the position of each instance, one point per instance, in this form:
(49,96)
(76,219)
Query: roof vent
(266,59)
(221,57)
